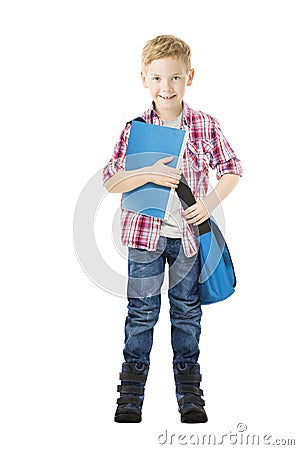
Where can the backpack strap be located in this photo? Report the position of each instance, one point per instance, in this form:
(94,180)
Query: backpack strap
(138,119)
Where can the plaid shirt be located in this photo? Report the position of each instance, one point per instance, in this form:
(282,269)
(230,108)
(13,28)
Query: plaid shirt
(206,147)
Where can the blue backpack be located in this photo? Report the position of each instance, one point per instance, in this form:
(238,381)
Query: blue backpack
(217,279)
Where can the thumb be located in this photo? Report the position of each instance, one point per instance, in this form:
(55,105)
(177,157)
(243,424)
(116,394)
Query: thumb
(166,160)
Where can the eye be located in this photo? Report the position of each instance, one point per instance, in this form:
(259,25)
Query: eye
(156,78)
(176,78)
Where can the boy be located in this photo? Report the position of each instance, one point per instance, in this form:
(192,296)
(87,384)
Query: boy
(166,72)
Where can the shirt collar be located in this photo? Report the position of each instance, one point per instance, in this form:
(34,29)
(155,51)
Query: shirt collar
(186,118)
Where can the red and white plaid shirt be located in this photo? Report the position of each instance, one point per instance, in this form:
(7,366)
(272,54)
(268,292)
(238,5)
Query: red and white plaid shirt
(206,147)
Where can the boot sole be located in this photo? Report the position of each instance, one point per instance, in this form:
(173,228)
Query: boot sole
(194,418)
(127,418)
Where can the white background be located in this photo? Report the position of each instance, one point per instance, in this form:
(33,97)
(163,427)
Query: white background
(69,82)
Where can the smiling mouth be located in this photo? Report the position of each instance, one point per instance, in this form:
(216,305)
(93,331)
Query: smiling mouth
(167,97)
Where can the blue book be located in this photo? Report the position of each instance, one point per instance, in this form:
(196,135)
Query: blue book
(147,144)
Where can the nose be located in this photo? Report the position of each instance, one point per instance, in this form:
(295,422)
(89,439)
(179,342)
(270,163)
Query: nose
(166,85)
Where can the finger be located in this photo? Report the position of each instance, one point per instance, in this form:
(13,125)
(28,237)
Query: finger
(191,208)
(165,160)
(170,185)
(193,217)
(174,173)
(190,212)
(195,220)
(203,219)
(176,176)
(171,182)
(196,215)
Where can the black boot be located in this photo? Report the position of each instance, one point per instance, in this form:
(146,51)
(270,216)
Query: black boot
(191,406)
(133,378)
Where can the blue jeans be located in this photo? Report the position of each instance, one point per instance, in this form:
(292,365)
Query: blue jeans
(146,274)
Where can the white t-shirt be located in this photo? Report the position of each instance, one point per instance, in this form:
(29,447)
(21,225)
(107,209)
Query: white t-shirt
(173,226)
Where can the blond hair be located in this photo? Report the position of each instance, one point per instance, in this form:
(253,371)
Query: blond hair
(166,46)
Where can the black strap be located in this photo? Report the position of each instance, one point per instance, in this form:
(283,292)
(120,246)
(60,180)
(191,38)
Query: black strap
(186,378)
(191,399)
(130,389)
(123,376)
(129,399)
(188,389)
(187,199)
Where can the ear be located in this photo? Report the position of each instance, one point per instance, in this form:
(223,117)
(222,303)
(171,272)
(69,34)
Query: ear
(143,79)
(190,77)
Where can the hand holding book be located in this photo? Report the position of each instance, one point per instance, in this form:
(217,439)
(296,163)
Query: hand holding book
(164,175)
(158,173)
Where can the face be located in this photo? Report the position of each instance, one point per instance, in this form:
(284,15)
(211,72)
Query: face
(167,80)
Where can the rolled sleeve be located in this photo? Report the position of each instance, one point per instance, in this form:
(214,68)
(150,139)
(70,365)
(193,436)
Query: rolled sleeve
(222,157)
(118,160)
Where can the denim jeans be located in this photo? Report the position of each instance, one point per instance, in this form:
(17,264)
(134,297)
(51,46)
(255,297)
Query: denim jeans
(146,275)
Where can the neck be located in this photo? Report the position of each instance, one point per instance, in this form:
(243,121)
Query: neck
(168,115)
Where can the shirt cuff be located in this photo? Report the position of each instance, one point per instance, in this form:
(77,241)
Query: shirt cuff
(232,166)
